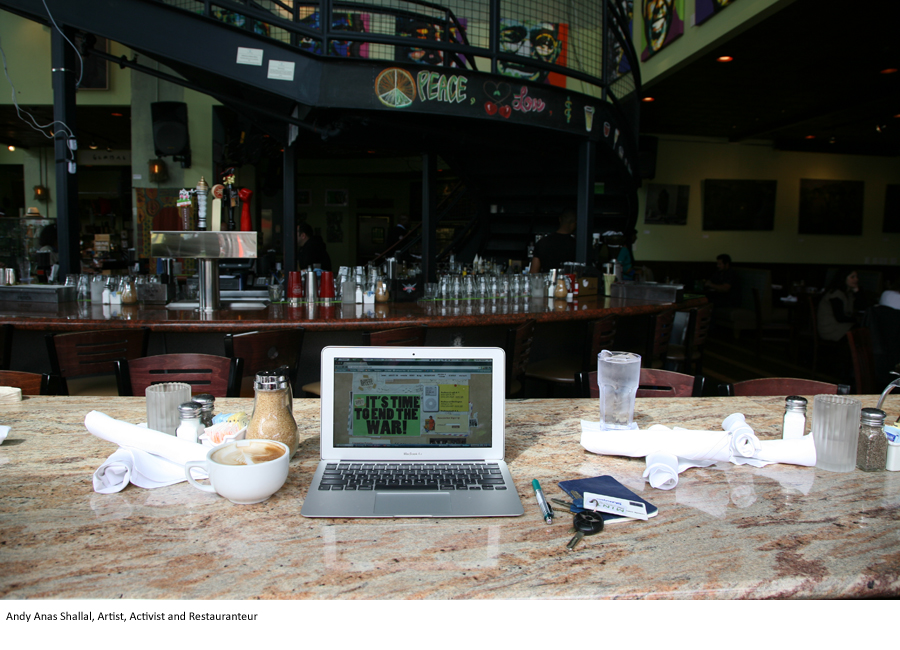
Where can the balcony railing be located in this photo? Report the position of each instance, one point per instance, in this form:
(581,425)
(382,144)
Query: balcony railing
(582,45)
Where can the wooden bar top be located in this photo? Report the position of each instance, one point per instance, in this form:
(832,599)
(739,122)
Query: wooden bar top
(77,316)
(724,532)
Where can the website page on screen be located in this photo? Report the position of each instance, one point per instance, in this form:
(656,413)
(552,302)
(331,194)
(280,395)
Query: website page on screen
(412,402)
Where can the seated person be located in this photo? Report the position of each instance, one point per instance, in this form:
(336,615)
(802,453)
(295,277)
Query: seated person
(558,247)
(311,249)
(837,313)
(723,288)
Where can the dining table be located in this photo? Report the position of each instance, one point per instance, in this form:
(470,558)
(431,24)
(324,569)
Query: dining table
(726,531)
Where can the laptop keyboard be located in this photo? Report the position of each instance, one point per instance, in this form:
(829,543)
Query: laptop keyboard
(412,476)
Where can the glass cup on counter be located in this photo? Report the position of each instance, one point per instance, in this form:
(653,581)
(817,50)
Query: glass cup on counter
(835,431)
(618,377)
(162,405)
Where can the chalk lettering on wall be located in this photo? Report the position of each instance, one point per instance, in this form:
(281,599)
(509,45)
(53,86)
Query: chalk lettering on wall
(434,86)
(522,102)
(498,94)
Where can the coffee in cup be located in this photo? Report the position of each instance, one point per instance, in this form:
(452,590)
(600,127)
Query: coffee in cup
(243,471)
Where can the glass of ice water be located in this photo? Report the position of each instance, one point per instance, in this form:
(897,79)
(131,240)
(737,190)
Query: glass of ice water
(618,376)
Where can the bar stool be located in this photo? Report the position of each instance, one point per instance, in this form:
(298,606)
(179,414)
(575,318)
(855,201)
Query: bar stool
(688,358)
(206,373)
(397,337)
(265,351)
(6,334)
(80,354)
(772,386)
(518,351)
(654,382)
(31,383)
(562,370)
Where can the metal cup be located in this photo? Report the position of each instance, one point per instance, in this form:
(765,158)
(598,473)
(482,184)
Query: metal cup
(9,277)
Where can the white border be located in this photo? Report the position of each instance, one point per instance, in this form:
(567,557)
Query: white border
(498,403)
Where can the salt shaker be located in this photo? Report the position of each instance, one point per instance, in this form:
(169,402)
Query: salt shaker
(190,428)
(871,450)
(794,417)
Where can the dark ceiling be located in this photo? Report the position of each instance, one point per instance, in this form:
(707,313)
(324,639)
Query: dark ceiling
(812,68)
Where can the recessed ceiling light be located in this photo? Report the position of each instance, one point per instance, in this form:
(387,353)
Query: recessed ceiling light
(116,114)
(889,71)
(810,137)
(12,147)
(725,59)
(648,99)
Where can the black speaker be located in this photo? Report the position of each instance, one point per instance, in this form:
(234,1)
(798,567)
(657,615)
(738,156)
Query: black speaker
(648,144)
(170,130)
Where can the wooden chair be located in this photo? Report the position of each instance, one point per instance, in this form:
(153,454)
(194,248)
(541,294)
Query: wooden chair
(781,386)
(265,351)
(206,373)
(400,336)
(518,351)
(6,336)
(92,353)
(654,382)
(688,358)
(562,370)
(31,383)
(863,360)
(658,338)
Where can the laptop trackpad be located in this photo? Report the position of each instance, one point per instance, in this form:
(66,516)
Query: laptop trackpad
(412,505)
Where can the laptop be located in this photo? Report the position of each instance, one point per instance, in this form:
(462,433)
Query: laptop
(412,432)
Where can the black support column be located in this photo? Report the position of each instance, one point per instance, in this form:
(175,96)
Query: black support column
(429,208)
(66,67)
(587,167)
(289,242)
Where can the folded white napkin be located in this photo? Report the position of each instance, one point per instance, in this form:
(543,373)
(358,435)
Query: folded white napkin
(147,458)
(671,451)
(4,431)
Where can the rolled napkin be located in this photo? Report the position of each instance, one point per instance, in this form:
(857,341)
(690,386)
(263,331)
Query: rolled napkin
(146,457)
(10,394)
(663,469)
(4,431)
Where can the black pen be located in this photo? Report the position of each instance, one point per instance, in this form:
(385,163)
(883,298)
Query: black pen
(546,510)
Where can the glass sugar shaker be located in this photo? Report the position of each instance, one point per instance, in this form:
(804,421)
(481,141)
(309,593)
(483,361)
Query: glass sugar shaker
(871,450)
(794,417)
(272,418)
(208,402)
(190,428)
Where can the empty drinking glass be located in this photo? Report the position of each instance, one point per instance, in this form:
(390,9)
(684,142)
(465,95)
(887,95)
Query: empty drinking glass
(835,431)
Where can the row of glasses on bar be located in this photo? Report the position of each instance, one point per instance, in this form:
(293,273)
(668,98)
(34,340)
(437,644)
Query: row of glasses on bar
(485,286)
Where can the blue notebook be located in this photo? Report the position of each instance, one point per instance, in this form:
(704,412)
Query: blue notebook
(607,486)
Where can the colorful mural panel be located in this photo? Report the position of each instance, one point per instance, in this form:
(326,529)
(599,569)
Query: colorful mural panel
(663,23)
(415,28)
(340,22)
(706,9)
(621,65)
(545,42)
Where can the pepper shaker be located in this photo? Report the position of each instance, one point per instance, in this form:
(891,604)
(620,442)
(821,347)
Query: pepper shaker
(871,450)
(208,405)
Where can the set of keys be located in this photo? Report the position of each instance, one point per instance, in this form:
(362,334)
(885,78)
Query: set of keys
(585,522)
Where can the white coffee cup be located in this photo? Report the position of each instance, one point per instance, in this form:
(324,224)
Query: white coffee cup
(243,471)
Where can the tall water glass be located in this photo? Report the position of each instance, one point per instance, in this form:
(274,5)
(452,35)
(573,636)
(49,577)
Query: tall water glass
(835,431)
(98,283)
(162,405)
(618,377)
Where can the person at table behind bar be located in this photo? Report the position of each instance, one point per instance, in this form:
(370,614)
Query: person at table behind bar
(723,288)
(838,307)
(552,250)
(311,249)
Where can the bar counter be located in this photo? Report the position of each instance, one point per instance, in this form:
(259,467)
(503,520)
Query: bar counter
(724,532)
(78,316)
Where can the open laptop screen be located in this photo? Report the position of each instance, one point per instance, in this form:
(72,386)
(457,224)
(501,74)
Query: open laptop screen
(402,403)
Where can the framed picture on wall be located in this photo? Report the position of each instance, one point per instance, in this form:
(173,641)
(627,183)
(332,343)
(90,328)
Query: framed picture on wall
(666,204)
(738,204)
(830,207)
(337,198)
(891,209)
(95,73)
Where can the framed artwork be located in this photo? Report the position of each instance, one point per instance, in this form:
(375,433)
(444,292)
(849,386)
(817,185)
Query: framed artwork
(663,23)
(830,207)
(304,197)
(666,204)
(891,209)
(706,9)
(337,197)
(95,73)
(738,204)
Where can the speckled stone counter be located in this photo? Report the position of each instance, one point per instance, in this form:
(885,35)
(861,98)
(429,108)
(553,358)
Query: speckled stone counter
(74,316)
(724,532)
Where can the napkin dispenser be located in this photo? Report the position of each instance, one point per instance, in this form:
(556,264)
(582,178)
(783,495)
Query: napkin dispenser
(156,293)
(43,293)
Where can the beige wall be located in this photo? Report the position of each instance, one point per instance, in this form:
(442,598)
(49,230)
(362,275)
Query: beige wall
(684,162)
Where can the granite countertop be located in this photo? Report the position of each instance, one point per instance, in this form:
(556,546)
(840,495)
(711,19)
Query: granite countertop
(77,316)
(724,532)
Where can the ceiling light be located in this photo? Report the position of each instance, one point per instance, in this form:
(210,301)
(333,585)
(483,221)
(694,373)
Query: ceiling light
(648,99)
(889,71)
(12,147)
(810,137)
(725,59)
(116,114)
(93,145)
